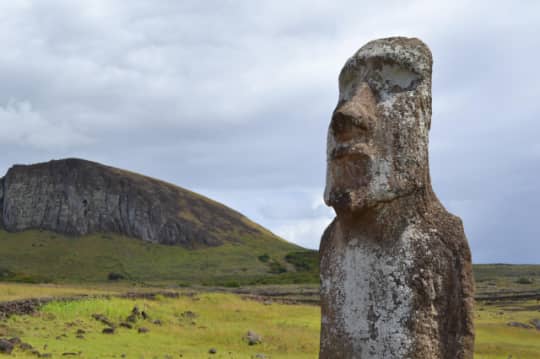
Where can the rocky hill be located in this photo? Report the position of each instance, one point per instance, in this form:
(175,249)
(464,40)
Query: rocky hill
(79,197)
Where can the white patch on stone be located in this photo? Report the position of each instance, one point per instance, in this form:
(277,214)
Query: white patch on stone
(375,300)
(398,76)
(381,172)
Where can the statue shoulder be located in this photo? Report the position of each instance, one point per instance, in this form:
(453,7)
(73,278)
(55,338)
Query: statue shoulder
(327,235)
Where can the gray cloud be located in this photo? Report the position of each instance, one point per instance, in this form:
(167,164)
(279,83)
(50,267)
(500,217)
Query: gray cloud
(232,98)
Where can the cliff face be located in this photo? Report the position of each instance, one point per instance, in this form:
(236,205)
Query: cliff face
(77,197)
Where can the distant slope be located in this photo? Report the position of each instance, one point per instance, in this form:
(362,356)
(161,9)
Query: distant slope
(79,197)
(42,256)
(79,221)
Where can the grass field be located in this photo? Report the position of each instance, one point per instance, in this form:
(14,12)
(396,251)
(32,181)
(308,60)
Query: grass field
(36,256)
(496,339)
(192,325)
(189,326)
(218,321)
(506,278)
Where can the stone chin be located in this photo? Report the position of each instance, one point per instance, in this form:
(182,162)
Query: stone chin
(378,186)
(355,201)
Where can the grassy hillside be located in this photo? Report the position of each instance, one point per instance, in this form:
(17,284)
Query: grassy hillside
(504,278)
(40,256)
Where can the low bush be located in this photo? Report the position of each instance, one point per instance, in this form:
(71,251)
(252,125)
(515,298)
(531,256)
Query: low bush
(115,276)
(524,280)
(304,261)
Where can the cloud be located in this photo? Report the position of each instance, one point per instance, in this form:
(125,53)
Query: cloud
(305,232)
(23,126)
(234,98)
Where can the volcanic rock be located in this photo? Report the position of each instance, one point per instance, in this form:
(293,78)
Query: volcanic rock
(78,197)
(396,274)
(6,347)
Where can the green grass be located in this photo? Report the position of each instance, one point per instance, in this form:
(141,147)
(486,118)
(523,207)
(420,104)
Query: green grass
(496,340)
(221,322)
(36,256)
(41,256)
(506,278)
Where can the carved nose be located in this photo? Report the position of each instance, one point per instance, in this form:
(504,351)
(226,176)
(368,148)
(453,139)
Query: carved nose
(356,114)
(344,122)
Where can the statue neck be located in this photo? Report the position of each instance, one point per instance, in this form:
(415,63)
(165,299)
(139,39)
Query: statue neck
(388,219)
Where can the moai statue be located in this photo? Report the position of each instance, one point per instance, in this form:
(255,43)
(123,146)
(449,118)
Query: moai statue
(396,273)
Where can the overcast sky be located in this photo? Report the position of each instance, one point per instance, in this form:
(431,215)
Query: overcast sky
(233,98)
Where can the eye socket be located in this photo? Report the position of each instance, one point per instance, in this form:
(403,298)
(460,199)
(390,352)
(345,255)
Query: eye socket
(387,77)
(397,78)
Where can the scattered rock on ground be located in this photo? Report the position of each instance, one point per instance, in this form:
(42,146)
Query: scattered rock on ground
(519,325)
(126,325)
(252,338)
(212,351)
(5,346)
(536,323)
(15,340)
(189,315)
(103,319)
(26,346)
(109,330)
(143,330)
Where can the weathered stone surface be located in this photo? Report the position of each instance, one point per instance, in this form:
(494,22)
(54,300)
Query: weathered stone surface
(396,275)
(108,330)
(519,325)
(6,347)
(79,197)
(253,338)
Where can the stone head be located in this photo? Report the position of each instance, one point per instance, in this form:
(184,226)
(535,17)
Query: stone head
(378,137)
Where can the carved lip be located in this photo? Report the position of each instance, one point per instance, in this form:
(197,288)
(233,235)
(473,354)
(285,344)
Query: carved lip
(351,150)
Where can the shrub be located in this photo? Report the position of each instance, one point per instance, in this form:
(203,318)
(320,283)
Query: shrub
(524,280)
(277,268)
(231,284)
(6,273)
(115,276)
(264,258)
(303,261)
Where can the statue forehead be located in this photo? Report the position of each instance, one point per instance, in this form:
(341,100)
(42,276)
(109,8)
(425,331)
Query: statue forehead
(410,53)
